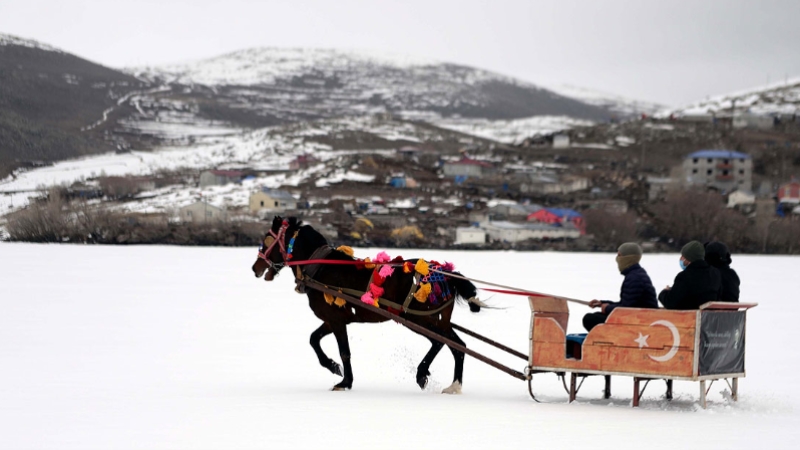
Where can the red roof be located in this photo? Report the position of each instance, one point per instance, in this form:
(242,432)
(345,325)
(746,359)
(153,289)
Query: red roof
(473,162)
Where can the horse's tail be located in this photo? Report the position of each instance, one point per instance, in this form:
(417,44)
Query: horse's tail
(466,290)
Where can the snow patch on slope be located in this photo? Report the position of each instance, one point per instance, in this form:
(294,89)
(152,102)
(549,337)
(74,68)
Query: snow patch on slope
(8,39)
(511,131)
(776,98)
(612,102)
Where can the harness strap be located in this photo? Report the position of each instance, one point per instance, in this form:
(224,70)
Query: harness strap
(411,292)
(319,255)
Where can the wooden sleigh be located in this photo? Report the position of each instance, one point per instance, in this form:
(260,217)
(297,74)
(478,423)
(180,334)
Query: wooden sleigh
(702,345)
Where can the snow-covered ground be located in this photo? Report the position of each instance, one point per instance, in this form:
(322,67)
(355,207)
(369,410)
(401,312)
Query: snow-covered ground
(511,131)
(169,347)
(781,97)
(264,149)
(613,102)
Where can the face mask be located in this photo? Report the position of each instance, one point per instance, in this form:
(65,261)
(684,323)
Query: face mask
(683,266)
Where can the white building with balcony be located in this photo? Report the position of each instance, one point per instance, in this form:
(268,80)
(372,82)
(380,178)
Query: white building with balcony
(724,170)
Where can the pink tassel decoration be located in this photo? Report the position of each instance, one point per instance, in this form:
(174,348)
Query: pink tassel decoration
(382,257)
(386,271)
(448,267)
(367,298)
(376,291)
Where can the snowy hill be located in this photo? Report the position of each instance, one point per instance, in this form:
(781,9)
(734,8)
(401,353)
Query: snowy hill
(620,105)
(776,98)
(47,97)
(294,84)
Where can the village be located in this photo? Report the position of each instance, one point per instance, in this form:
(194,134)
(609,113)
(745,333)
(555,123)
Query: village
(556,190)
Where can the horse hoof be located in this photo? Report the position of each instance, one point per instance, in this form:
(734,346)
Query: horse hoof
(341,387)
(422,382)
(454,388)
(335,368)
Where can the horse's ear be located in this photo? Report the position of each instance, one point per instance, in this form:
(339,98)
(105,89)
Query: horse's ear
(276,222)
(294,222)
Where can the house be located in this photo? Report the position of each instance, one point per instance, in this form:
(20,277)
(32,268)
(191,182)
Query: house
(302,162)
(516,232)
(560,216)
(737,198)
(467,167)
(789,192)
(511,210)
(546,184)
(407,153)
(271,200)
(724,170)
(657,187)
(470,235)
(750,120)
(120,187)
(220,177)
(202,212)
(560,141)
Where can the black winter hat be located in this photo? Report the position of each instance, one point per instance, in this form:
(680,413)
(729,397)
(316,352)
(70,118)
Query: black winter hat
(693,251)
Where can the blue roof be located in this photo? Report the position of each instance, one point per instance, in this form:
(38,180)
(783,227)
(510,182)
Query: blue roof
(719,154)
(564,213)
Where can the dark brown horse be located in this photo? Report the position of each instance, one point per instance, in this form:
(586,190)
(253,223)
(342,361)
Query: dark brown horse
(291,240)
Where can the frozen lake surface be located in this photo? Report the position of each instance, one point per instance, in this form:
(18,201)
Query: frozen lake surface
(172,347)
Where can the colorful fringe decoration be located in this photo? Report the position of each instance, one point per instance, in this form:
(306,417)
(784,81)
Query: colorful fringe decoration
(408,267)
(379,276)
(386,271)
(338,301)
(421,267)
(346,250)
(422,293)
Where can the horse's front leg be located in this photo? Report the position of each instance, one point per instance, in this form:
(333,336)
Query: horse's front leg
(340,331)
(324,361)
(422,370)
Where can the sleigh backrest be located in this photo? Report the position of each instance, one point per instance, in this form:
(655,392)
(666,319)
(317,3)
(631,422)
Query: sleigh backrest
(556,308)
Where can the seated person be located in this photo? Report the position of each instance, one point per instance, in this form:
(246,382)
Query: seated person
(718,256)
(698,283)
(637,290)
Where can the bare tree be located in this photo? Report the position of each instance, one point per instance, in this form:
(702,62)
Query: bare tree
(609,229)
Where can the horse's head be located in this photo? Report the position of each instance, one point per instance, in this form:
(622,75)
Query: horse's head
(272,252)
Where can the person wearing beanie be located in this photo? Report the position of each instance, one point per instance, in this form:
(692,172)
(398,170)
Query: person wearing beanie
(696,284)
(637,290)
(718,257)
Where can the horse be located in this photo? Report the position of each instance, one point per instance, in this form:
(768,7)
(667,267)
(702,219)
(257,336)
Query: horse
(291,240)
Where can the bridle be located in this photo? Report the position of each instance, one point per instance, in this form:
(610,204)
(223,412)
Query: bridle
(277,239)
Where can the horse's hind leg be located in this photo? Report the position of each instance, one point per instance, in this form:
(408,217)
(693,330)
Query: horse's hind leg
(324,361)
(340,331)
(422,369)
(458,372)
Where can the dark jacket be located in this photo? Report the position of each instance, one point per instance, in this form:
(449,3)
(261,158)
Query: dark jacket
(718,256)
(698,284)
(637,290)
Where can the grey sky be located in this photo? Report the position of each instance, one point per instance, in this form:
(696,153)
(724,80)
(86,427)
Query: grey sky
(672,52)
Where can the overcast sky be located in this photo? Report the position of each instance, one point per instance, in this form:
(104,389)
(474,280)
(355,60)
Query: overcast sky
(668,51)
